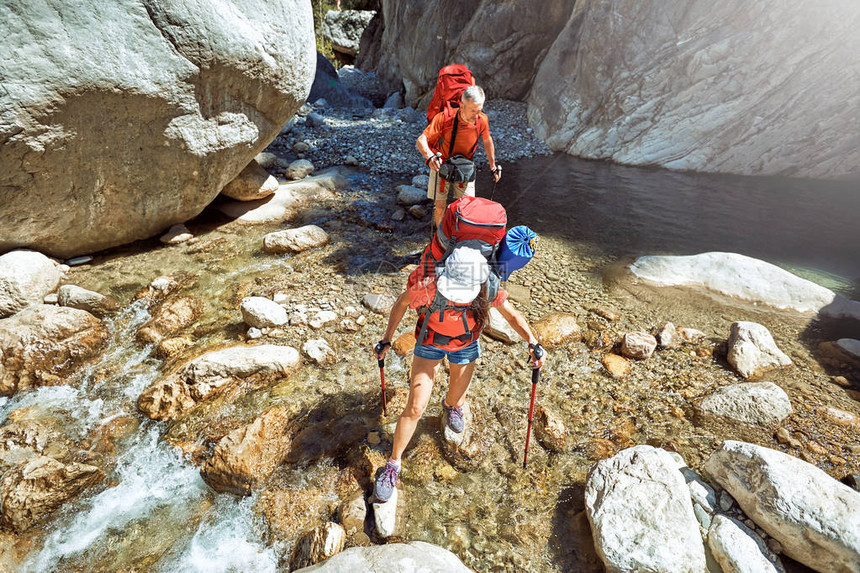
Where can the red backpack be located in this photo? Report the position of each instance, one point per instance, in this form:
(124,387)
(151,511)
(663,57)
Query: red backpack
(450,83)
(446,325)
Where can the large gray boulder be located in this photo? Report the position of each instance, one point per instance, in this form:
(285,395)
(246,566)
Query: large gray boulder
(502,43)
(415,556)
(728,86)
(343,28)
(813,516)
(130,116)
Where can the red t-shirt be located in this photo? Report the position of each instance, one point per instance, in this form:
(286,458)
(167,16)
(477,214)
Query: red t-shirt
(438,134)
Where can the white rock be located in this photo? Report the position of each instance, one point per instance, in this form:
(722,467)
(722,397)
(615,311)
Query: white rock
(77,297)
(691,335)
(25,278)
(757,403)
(378,303)
(814,517)
(641,513)
(739,550)
(499,329)
(254,333)
(752,350)
(281,298)
(298,318)
(849,345)
(318,350)
(745,278)
(261,312)
(295,240)
(350,160)
(638,345)
(409,195)
(417,557)
(667,337)
(385,515)
(299,169)
(322,318)
(178,233)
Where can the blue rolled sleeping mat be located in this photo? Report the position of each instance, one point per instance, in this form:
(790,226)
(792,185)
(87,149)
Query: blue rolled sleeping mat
(517,248)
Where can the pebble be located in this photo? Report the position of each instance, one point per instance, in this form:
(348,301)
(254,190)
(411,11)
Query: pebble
(254,333)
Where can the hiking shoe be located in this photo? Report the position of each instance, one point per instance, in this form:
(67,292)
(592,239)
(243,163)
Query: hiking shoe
(454,418)
(386,482)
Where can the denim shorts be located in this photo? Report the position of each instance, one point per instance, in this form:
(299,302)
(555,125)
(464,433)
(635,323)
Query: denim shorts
(465,355)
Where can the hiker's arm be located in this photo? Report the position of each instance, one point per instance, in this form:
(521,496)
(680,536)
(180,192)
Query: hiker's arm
(490,150)
(519,323)
(426,152)
(394,318)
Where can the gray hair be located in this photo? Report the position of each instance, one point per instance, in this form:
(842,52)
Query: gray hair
(474,94)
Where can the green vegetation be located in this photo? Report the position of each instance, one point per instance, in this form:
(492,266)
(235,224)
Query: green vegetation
(321,7)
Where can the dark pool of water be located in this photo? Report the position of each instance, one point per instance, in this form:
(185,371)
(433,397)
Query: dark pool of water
(809,226)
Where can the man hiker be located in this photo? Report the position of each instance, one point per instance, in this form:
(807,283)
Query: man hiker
(434,144)
(454,332)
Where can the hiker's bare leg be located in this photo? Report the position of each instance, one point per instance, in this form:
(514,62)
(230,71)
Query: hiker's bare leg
(438,212)
(420,388)
(460,377)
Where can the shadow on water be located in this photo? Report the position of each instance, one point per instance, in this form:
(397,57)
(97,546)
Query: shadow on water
(806,226)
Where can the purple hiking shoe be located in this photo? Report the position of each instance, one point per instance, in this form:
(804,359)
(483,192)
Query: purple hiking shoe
(386,482)
(454,418)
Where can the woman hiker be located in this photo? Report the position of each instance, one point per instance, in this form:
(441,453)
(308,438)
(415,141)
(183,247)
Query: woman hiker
(464,284)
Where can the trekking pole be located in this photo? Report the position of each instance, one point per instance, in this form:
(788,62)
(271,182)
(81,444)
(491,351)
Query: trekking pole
(499,169)
(538,350)
(380,346)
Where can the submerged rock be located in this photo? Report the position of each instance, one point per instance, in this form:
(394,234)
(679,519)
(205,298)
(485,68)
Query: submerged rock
(43,345)
(169,317)
(815,518)
(641,514)
(40,485)
(638,345)
(617,366)
(550,430)
(752,350)
(213,372)
(25,278)
(557,329)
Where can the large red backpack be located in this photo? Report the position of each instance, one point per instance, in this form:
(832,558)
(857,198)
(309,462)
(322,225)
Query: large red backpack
(445,324)
(450,83)
(469,221)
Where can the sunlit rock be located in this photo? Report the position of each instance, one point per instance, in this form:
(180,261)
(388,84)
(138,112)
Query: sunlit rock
(617,366)
(247,456)
(747,279)
(176,234)
(405,343)
(43,345)
(164,102)
(641,514)
(756,403)
(392,557)
(738,549)
(40,485)
(252,183)
(26,433)
(667,336)
(169,317)
(673,84)
(318,545)
(204,376)
(285,202)
(388,516)
(163,286)
(295,240)
(813,516)
(378,303)
(319,351)
(352,513)
(752,350)
(83,299)
(638,345)
(25,278)
(262,312)
(299,169)
(556,329)
(549,430)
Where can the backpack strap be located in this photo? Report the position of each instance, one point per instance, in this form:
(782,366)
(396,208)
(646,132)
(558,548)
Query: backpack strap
(454,133)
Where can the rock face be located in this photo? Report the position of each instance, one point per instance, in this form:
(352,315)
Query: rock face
(670,84)
(205,375)
(25,278)
(745,278)
(752,350)
(40,485)
(813,516)
(758,403)
(247,456)
(164,103)
(641,514)
(501,42)
(43,344)
(414,556)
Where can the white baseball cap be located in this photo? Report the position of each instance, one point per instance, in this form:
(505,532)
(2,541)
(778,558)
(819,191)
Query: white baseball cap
(465,271)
